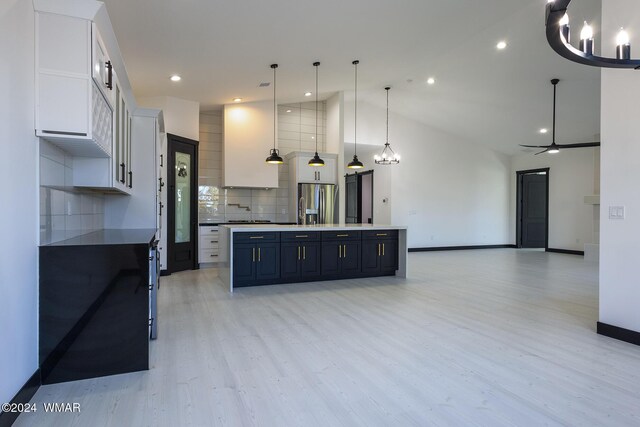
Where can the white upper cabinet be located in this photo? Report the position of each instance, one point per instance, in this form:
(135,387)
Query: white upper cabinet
(72,111)
(248,137)
(102,69)
(301,172)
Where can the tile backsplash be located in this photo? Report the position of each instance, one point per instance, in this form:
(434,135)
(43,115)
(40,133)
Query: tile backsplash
(64,212)
(296,132)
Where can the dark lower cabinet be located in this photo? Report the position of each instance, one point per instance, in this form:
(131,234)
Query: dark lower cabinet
(256,263)
(340,258)
(269,258)
(379,256)
(300,260)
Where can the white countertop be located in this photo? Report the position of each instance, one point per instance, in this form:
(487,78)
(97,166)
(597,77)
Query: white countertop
(318,227)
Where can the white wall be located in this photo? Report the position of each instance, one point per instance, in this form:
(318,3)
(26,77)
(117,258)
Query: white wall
(19,216)
(181,117)
(620,175)
(448,192)
(571,177)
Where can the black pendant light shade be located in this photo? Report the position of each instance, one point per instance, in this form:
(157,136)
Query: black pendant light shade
(316,160)
(355,163)
(388,156)
(274,155)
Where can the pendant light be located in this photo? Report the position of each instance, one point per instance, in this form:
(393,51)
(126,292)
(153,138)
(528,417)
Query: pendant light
(274,156)
(316,160)
(355,163)
(388,156)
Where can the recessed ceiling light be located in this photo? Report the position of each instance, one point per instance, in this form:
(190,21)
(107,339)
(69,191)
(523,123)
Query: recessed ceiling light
(288,111)
(176,78)
(431,81)
(501,44)
(237,99)
(307,94)
(543,130)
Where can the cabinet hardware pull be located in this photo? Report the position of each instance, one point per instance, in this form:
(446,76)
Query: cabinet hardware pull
(378,249)
(214,241)
(383,249)
(381,234)
(304,235)
(256,237)
(344,251)
(109,82)
(298,253)
(122,165)
(304,252)
(212,255)
(253,251)
(339,251)
(57,132)
(161,185)
(161,160)
(342,235)
(258,254)
(130,179)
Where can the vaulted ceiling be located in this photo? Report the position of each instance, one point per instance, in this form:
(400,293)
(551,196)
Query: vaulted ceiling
(501,98)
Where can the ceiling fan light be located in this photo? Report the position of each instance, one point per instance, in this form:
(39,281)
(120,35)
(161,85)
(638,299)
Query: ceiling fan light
(553,150)
(355,163)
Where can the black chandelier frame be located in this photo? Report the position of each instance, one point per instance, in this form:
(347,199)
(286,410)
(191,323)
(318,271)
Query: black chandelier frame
(558,40)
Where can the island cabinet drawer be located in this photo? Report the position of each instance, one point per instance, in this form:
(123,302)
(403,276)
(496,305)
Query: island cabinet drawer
(208,255)
(379,234)
(250,237)
(300,236)
(341,235)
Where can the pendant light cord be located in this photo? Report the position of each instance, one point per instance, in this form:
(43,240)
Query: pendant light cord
(316,65)
(355,118)
(387,115)
(275,106)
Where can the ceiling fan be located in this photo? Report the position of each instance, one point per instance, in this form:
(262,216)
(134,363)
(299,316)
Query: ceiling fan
(555,148)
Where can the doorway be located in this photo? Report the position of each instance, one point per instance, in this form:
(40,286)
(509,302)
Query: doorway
(182,219)
(359,198)
(532,208)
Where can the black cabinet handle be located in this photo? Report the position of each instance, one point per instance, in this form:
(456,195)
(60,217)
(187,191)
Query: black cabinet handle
(161,160)
(161,206)
(130,179)
(161,184)
(122,165)
(109,82)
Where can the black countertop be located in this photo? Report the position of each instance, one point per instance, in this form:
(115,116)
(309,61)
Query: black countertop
(110,237)
(213,224)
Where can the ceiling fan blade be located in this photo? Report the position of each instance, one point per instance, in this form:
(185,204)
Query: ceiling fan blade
(544,151)
(580,145)
(534,146)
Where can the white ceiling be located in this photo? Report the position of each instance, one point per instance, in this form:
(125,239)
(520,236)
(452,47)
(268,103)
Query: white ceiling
(223,49)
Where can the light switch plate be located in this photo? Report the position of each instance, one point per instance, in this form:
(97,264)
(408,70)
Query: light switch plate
(616,212)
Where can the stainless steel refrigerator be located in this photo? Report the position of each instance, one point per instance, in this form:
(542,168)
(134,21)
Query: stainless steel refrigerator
(317,204)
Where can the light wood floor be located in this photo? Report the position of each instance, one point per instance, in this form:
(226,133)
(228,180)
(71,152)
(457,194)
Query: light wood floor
(489,337)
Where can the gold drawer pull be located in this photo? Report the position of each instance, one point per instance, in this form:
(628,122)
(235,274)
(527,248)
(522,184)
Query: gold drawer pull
(256,237)
(342,235)
(303,235)
(381,234)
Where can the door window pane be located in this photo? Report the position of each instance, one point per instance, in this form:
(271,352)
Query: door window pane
(183,197)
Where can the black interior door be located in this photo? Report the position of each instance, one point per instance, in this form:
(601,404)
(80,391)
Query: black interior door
(533,210)
(182,203)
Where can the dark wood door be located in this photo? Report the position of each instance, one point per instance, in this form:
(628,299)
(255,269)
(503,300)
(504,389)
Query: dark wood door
(290,255)
(311,259)
(350,261)
(244,266)
(267,261)
(534,211)
(330,258)
(389,256)
(371,251)
(182,212)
